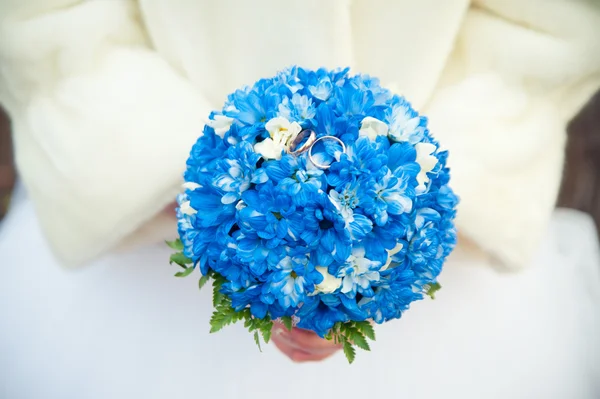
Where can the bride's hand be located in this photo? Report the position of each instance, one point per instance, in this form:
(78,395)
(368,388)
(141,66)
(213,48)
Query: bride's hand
(170,210)
(302,345)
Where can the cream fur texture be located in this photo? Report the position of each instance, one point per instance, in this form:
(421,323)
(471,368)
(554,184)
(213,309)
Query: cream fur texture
(107,97)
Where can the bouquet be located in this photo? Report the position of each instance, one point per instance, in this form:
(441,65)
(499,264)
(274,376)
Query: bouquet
(319,200)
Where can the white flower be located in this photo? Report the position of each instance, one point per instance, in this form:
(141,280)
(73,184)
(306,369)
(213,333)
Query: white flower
(221,124)
(282,128)
(190,185)
(392,252)
(268,149)
(372,127)
(426,161)
(329,284)
(187,209)
(282,133)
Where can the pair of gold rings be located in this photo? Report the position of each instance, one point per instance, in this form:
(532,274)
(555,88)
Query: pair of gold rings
(310,139)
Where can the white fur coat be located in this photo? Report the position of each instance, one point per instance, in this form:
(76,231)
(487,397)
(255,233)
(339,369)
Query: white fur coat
(107,97)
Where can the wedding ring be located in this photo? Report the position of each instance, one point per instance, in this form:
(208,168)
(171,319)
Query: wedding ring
(310,155)
(312,137)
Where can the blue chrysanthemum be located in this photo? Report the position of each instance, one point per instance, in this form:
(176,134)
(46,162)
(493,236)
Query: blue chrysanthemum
(292,279)
(331,235)
(325,231)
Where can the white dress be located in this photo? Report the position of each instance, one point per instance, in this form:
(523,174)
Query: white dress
(124,327)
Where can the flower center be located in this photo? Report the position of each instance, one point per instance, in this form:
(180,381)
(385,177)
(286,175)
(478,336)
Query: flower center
(325,224)
(293,274)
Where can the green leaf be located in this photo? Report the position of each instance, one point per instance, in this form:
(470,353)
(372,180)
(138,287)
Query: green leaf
(349,351)
(266,332)
(357,338)
(176,244)
(217,296)
(287,322)
(186,272)
(222,316)
(336,327)
(254,325)
(366,328)
(431,289)
(257,340)
(203,280)
(245,314)
(239,316)
(180,259)
(336,339)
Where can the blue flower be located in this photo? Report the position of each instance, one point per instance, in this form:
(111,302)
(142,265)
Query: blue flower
(365,83)
(296,177)
(385,238)
(353,103)
(259,305)
(405,123)
(394,192)
(322,89)
(319,317)
(289,79)
(392,295)
(185,226)
(249,107)
(207,151)
(357,274)
(446,198)
(237,274)
(300,109)
(388,195)
(238,171)
(320,83)
(293,278)
(426,251)
(345,202)
(270,213)
(328,123)
(257,252)
(361,159)
(325,231)
(210,211)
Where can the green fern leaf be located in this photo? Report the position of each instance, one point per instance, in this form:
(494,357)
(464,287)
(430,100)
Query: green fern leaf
(432,288)
(186,272)
(287,322)
(175,244)
(366,328)
(180,259)
(349,351)
(257,340)
(357,338)
(203,280)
